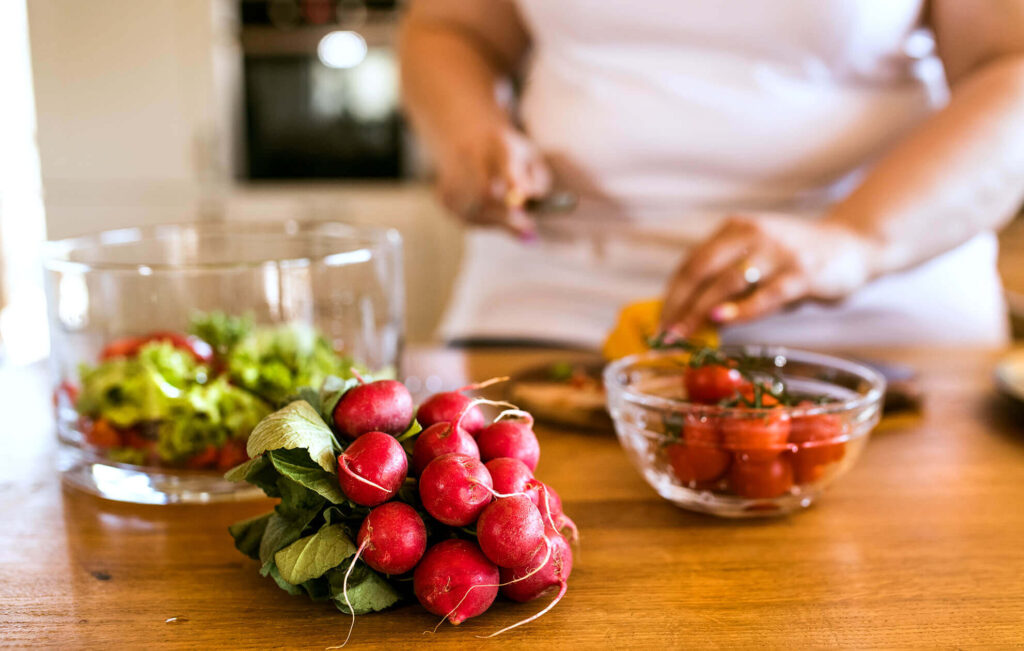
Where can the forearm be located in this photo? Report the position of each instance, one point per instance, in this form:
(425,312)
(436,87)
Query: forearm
(960,173)
(448,81)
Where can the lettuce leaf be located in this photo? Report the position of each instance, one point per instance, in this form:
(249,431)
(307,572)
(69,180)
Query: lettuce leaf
(275,362)
(147,387)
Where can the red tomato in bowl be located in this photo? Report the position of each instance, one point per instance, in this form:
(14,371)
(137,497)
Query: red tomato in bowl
(207,458)
(758,479)
(757,436)
(232,454)
(695,463)
(102,434)
(126,347)
(700,456)
(814,453)
(129,346)
(713,383)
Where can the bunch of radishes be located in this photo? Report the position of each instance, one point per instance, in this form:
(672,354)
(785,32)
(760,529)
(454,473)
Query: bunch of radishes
(496,526)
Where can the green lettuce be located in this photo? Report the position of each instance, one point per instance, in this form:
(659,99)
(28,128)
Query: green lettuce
(209,414)
(185,406)
(146,387)
(275,362)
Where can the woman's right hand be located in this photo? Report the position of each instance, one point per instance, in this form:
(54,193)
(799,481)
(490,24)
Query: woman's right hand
(488,172)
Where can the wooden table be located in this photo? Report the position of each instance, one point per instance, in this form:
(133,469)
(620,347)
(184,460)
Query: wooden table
(922,544)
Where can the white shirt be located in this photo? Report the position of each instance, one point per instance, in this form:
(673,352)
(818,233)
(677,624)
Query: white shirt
(667,115)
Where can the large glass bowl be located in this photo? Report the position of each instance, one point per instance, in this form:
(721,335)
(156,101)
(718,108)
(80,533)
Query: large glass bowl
(313,298)
(700,457)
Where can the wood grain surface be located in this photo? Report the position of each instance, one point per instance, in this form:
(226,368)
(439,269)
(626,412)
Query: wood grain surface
(921,545)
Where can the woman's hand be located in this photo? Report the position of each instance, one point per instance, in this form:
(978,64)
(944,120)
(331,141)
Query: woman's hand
(487,174)
(754,266)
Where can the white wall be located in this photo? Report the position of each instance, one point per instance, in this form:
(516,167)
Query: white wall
(125,118)
(136,115)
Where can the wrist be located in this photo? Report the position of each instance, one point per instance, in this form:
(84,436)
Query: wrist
(866,251)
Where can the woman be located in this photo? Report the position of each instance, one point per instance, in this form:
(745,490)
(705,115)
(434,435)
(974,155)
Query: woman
(815,181)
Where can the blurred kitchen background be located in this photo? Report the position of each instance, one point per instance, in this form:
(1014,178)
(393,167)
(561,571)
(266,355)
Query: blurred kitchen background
(126,112)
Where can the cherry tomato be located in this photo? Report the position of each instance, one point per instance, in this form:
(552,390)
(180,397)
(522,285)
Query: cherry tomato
(702,429)
(695,463)
(712,383)
(129,346)
(66,390)
(813,455)
(759,436)
(758,479)
(102,434)
(700,457)
(205,459)
(133,439)
(232,454)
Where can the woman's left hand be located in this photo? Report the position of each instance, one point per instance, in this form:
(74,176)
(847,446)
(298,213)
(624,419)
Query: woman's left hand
(754,266)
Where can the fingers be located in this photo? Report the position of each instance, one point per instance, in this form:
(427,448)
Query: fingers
(733,282)
(778,292)
(725,249)
(489,185)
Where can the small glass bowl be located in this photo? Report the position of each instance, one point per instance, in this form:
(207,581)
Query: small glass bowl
(739,462)
(321,297)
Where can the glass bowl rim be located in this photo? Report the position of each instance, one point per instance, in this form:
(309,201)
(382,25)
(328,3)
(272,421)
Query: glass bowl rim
(361,237)
(873,396)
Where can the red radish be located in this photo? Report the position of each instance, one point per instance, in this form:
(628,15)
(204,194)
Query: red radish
(372,469)
(393,538)
(455,488)
(554,574)
(447,407)
(510,437)
(511,476)
(527,583)
(450,406)
(456,580)
(510,531)
(381,406)
(550,505)
(438,439)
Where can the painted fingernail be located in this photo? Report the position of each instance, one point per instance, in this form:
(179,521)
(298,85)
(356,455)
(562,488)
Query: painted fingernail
(724,312)
(528,237)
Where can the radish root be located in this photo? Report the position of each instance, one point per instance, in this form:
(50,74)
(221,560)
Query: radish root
(494,492)
(348,471)
(483,385)
(515,413)
(554,602)
(355,372)
(482,401)
(566,521)
(344,592)
(540,566)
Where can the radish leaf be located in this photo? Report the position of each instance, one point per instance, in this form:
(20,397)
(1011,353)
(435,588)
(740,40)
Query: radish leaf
(297,425)
(248,533)
(367,590)
(312,556)
(297,466)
